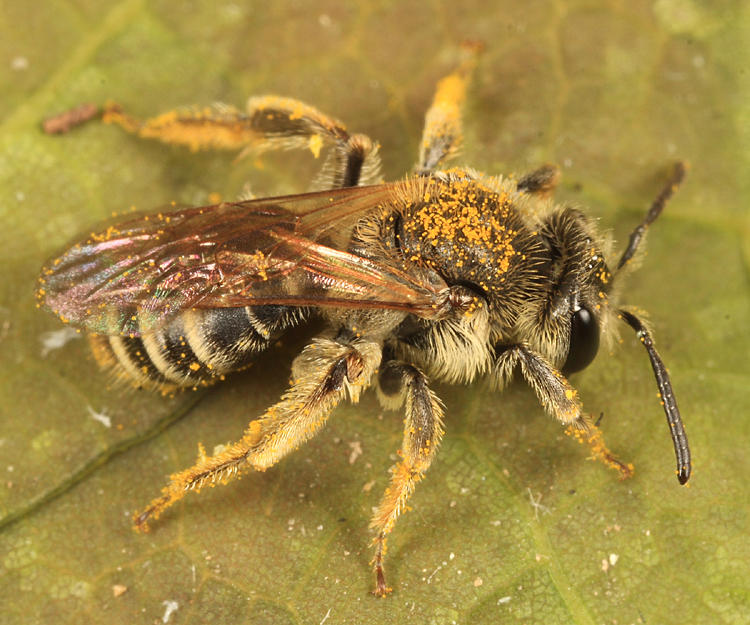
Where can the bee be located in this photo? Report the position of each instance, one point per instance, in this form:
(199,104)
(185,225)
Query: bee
(446,275)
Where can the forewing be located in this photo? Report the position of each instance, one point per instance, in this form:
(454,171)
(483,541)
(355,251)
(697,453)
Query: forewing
(302,272)
(132,277)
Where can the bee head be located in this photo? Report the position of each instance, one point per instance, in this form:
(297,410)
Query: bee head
(586,306)
(573,311)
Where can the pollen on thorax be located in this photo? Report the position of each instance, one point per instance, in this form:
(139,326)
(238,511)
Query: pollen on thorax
(466,220)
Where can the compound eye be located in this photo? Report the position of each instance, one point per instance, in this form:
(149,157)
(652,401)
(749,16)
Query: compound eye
(584,341)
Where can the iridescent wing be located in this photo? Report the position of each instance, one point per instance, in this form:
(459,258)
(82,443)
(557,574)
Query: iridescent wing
(132,277)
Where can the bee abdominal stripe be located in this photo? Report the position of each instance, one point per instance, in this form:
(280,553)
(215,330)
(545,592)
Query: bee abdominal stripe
(198,346)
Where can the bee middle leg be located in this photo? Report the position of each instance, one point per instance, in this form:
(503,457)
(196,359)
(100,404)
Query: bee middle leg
(423,431)
(560,399)
(323,374)
(443,132)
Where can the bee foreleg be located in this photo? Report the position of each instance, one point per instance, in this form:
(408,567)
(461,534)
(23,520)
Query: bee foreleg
(422,433)
(541,182)
(561,400)
(323,374)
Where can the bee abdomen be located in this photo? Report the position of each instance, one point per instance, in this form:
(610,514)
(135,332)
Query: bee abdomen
(196,348)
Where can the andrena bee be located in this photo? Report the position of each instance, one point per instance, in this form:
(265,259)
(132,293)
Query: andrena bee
(446,275)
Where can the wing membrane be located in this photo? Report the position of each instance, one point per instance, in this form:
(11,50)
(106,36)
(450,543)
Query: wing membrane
(132,277)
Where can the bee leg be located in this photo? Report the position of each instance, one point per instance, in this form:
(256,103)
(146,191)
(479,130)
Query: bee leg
(561,400)
(443,133)
(269,123)
(541,182)
(323,374)
(422,433)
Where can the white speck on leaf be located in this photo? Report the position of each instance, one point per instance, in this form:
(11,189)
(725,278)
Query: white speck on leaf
(19,63)
(356,448)
(101,417)
(536,503)
(169,608)
(56,339)
(429,579)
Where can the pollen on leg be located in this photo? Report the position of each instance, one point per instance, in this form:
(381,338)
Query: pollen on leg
(422,433)
(592,436)
(302,411)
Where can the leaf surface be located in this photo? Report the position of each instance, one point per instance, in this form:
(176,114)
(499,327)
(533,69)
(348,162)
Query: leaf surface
(512,524)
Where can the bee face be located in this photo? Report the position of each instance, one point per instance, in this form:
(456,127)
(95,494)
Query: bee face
(588,307)
(446,275)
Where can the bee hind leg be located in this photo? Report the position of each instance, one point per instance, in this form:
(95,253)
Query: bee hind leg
(269,123)
(423,431)
(323,374)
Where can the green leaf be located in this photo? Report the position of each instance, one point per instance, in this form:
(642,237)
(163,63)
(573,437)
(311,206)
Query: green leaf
(512,524)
